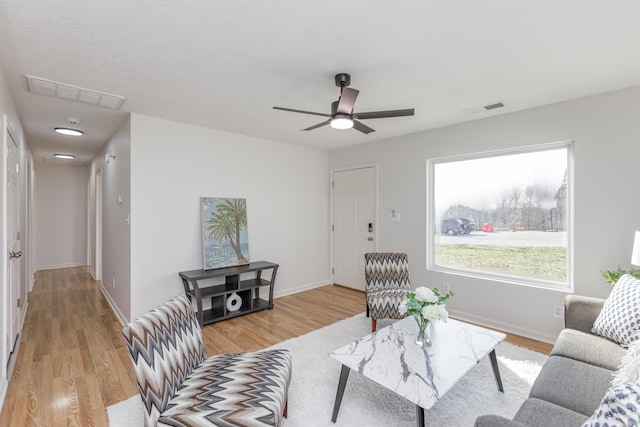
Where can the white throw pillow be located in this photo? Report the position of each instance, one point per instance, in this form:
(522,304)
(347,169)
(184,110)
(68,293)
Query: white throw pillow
(619,319)
(629,371)
(620,407)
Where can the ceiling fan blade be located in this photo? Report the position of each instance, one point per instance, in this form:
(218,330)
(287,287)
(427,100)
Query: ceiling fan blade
(384,114)
(318,125)
(302,111)
(347,100)
(362,127)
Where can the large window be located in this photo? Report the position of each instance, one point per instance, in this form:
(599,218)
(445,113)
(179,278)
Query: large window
(504,215)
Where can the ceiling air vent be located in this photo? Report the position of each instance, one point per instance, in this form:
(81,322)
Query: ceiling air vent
(484,108)
(494,106)
(74,93)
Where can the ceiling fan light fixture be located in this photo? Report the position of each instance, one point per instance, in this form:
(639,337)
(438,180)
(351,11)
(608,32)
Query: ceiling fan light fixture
(342,112)
(69,131)
(341,121)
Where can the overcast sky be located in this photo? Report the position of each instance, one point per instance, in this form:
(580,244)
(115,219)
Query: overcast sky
(482,183)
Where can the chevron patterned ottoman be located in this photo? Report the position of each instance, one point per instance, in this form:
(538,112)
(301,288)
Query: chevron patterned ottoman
(180,387)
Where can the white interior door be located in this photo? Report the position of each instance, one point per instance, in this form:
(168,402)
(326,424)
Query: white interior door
(13,241)
(354,224)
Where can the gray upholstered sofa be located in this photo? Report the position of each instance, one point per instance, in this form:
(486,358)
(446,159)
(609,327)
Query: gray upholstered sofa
(574,379)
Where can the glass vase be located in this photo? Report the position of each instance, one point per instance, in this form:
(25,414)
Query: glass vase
(422,339)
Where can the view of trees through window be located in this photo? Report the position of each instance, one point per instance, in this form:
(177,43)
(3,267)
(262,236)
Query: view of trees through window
(504,214)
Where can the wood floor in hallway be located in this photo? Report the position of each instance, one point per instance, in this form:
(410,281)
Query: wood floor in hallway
(73,363)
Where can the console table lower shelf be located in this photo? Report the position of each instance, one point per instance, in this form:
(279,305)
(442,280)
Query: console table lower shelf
(236,296)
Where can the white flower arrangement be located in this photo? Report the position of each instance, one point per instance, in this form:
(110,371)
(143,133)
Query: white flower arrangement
(426,304)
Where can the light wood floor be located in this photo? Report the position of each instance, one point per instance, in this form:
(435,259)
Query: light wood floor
(73,363)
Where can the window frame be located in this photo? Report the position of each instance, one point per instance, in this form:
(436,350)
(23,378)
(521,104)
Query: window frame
(432,226)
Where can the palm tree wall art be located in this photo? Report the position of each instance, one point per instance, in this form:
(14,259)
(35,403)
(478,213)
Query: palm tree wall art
(225,240)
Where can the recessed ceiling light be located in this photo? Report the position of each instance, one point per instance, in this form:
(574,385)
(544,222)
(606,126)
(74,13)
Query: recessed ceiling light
(69,131)
(64,156)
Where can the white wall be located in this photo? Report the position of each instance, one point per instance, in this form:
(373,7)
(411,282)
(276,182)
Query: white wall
(606,131)
(174,164)
(60,215)
(116,235)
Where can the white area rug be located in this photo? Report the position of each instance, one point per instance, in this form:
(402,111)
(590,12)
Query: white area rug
(365,403)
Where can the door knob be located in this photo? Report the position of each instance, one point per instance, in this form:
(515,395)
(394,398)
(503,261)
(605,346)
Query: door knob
(15,254)
(370,239)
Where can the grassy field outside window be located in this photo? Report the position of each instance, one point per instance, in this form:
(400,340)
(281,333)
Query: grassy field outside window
(539,263)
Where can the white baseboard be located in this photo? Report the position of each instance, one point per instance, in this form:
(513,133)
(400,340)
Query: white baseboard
(92,273)
(483,321)
(4,385)
(54,267)
(24,314)
(114,307)
(505,327)
(306,287)
(13,357)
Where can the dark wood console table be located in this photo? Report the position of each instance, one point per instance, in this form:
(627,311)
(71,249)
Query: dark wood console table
(235,296)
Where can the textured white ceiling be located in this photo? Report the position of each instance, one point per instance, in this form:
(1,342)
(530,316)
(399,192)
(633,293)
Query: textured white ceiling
(224,64)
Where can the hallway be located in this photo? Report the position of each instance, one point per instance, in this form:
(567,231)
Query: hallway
(72,361)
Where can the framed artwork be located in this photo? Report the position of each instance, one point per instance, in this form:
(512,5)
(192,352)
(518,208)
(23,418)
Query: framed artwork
(225,241)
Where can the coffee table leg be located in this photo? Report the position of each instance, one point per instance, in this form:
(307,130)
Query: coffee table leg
(419,416)
(496,371)
(344,375)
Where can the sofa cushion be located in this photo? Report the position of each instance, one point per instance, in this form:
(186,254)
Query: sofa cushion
(385,303)
(536,412)
(248,389)
(165,346)
(496,421)
(572,384)
(629,371)
(619,319)
(588,348)
(620,407)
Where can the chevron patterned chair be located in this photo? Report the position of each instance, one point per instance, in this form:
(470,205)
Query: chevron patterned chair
(179,386)
(387,276)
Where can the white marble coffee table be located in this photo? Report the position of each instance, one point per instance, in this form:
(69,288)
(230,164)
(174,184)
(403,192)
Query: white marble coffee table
(391,358)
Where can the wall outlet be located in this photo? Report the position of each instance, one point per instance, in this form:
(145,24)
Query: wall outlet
(558,311)
(446,287)
(113,282)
